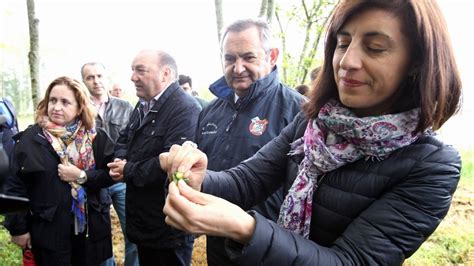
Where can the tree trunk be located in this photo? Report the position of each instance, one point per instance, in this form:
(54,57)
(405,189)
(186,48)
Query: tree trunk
(270,10)
(33,55)
(263,9)
(219,20)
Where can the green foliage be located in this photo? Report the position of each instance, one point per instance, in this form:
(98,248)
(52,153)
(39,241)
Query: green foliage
(302,21)
(467,171)
(16,87)
(451,243)
(10,254)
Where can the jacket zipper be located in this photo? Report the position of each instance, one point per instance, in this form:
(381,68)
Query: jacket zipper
(238,104)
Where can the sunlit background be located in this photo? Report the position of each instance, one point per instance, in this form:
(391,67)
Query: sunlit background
(73,32)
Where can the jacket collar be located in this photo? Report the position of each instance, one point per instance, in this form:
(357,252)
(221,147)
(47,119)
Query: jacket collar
(263,85)
(160,102)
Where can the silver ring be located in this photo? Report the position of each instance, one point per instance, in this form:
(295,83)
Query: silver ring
(190,143)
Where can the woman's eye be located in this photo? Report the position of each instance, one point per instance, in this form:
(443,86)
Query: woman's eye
(376,50)
(342,45)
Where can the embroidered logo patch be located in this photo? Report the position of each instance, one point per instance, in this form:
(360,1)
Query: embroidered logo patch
(209,129)
(258,126)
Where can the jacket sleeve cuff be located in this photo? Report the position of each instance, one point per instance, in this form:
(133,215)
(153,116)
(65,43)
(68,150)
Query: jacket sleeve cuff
(254,250)
(127,169)
(16,224)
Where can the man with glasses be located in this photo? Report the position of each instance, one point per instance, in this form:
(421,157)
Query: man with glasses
(251,108)
(165,115)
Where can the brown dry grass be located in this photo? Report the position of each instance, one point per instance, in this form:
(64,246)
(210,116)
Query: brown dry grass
(117,238)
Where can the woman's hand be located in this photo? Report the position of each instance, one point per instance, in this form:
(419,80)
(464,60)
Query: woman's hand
(199,213)
(68,172)
(23,241)
(186,159)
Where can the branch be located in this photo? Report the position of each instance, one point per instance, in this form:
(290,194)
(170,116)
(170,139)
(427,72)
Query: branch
(283,47)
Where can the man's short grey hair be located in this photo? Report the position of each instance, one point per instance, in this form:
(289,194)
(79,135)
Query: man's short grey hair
(262,26)
(166,59)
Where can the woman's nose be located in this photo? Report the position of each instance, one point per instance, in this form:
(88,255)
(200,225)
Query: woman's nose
(352,58)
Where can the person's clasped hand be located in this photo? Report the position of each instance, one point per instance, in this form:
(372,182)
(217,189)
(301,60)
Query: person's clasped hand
(190,210)
(68,172)
(116,169)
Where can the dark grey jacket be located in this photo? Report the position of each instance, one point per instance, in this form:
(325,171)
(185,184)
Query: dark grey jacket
(364,213)
(116,115)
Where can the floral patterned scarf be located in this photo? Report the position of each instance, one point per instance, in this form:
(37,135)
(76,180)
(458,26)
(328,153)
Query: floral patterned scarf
(335,138)
(73,144)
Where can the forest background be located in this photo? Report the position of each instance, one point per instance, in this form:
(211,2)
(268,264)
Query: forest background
(72,32)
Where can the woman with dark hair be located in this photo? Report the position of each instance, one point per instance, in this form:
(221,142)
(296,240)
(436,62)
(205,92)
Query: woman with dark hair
(367,180)
(59,164)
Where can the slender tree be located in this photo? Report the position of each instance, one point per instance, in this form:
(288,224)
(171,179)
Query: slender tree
(33,55)
(270,10)
(219,18)
(286,56)
(267,10)
(263,9)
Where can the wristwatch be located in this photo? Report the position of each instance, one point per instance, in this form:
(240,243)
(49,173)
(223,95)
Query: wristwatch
(82,178)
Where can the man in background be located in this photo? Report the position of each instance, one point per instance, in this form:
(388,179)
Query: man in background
(165,115)
(116,90)
(112,115)
(251,108)
(187,84)
(303,89)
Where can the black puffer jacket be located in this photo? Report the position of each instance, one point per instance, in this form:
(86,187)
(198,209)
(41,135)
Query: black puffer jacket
(364,213)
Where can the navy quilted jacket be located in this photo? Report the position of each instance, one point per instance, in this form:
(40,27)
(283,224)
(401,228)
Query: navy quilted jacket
(364,213)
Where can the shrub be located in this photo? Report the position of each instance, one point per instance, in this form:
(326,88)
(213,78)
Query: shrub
(10,254)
